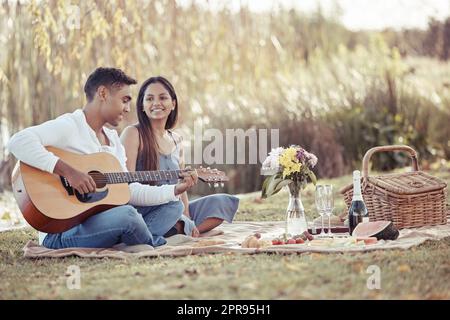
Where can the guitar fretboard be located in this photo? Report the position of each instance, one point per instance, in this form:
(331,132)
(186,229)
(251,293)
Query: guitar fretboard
(142,176)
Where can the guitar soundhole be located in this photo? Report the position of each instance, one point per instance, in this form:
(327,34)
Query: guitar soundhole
(99,178)
(100,182)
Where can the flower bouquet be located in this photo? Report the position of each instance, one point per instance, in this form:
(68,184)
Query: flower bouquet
(291,167)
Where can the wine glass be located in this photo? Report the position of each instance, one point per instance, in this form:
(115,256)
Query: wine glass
(320,205)
(328,200)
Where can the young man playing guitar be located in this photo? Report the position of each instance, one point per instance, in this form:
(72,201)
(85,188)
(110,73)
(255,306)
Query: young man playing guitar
(82,132)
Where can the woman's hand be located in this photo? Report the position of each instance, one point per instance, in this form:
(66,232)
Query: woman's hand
(195,232)
(190,178)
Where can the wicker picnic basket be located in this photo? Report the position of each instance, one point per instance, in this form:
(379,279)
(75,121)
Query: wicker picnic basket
(411,199)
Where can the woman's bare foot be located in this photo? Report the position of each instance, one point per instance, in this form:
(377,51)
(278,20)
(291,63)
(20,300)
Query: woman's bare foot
(180,229)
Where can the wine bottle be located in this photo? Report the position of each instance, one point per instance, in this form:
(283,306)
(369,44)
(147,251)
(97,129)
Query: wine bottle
(358,211)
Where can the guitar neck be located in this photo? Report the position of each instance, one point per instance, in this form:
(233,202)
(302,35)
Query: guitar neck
(142,176)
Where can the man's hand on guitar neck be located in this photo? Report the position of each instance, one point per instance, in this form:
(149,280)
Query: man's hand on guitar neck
(190,178)
(80,181)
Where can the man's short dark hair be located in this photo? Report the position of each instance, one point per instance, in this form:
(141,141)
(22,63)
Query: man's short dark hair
(107,77)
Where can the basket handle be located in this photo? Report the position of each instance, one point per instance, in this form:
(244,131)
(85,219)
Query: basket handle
(370,152)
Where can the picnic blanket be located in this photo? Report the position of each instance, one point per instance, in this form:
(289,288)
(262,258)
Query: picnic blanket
(227,238)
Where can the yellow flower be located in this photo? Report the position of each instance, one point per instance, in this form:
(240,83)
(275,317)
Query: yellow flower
(289,162)
(287,157)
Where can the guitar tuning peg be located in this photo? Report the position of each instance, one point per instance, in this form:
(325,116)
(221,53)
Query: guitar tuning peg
(216,185)
(222,184)
(209,184)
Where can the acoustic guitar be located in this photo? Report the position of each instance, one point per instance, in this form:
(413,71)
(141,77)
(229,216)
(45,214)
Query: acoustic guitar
(49,204)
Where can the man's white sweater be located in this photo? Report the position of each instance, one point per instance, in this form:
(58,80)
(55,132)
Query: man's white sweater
(71,132)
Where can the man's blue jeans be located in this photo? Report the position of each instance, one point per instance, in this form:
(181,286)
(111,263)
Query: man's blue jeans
(127,224)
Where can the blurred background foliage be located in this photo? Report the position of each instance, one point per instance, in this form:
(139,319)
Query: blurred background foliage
(334,91)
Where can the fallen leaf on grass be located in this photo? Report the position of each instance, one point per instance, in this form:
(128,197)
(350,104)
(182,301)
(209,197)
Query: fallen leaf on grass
(294,267)
(358,267)
(403,268)
(316,256)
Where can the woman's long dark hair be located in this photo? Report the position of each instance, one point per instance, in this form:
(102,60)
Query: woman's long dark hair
(148,150)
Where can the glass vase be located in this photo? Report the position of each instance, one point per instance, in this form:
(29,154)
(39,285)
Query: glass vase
(295,213)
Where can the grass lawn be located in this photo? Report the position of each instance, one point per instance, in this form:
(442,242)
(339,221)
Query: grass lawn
(420,273)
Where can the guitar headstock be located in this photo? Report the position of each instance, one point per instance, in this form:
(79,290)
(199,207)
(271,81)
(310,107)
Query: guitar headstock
(213,177)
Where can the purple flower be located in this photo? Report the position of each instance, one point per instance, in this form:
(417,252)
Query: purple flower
(301,154)
(311,159)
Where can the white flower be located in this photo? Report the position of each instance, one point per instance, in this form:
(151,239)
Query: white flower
(274,163)
(271,161)
(276,151)
(312,159)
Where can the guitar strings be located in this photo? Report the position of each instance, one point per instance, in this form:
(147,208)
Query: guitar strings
(102,178)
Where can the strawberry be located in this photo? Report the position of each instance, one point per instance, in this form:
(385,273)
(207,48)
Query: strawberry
(276,242)
(299,240)
(291,241)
